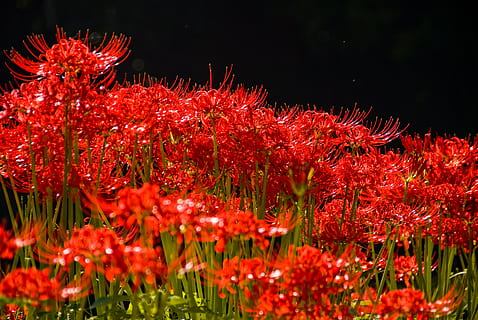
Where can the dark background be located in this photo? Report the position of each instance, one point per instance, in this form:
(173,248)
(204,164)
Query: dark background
(412,60)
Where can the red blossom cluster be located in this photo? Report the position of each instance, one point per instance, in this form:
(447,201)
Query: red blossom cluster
(196,217)
(35,287)
(9,244)
(311,284)
(12,311)
(176,136)
(305,285)
(411,304)
(145,159)
(101,250)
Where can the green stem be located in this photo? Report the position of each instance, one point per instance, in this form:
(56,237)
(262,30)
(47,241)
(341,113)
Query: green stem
(33,169)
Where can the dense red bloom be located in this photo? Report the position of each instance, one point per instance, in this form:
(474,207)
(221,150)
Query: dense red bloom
(405,268)
(237,273)
(33,286)
(102,250)
(12,311)
(63,102)
(209,163)
(337,224)
(411,304)
(303,285)
(238,224)
(312,281)
(195,217)
(133,204)
(144,264)
(95,249)
(10,244)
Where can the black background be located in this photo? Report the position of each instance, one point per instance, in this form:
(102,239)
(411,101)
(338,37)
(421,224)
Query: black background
(412,60)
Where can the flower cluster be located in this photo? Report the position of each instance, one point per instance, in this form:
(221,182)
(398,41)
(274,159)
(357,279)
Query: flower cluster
(32,285)
(168,190)
(101,250)
(9,244)
(411,303)
(196,217)
(305,285)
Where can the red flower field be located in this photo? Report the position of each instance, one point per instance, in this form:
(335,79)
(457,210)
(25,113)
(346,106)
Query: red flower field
(144,200)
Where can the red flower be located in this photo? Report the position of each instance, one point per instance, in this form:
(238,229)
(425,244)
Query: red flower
(98,250)
(405,268)
(411,303)
(69,59)
(12,311)
(63,102)
(102,250)
(195,217)
(10,244)
(306,284)
(33,286)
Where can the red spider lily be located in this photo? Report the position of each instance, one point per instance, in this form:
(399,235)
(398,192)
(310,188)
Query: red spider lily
(237,273)
(342,231)
(244,225)
(195,217)
(139,200)
(387,219)
(71,59)
(411,303)
(145,264)
(302,286)
(102,250)
(405,268)
(336,224)
(366,170)
(452,161)
(454,232)
(33,286)
(204,222)
(95,250)
(308,287)
(9,244)
(448,188)
(446,161)
(62,103)
(12,311)
(353,135)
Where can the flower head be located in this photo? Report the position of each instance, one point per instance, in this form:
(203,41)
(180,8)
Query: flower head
(69,59)
(32,285)
(412,304)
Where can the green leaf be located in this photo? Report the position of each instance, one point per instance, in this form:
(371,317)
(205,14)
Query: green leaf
(109,300)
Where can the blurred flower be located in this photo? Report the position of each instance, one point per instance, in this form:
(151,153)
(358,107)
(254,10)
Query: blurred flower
(10,244)
(101,250)
(411,304)
(33,286)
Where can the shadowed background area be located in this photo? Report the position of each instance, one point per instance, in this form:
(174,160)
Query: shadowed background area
(417,62)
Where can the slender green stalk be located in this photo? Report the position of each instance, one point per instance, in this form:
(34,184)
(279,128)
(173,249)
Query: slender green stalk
(36,206)
(428,256)
(262,203)
(472,304)
(8,203)
(133,162)
(389,267)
